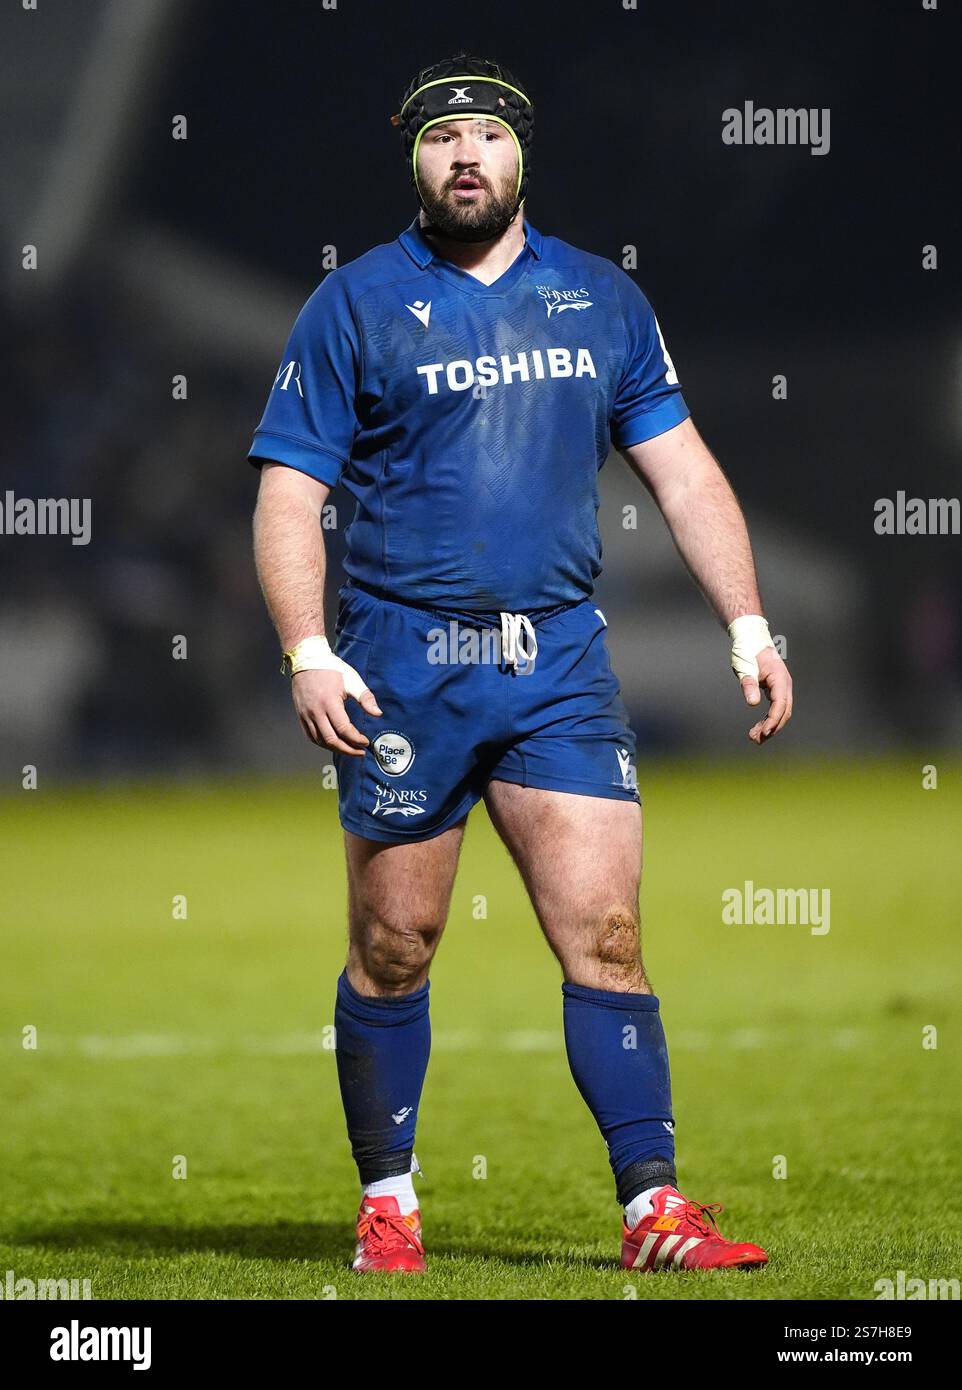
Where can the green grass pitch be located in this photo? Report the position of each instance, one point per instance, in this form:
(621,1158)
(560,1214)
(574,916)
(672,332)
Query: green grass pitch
(204,1037)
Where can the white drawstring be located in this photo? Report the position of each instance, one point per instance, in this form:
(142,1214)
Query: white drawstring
(513,651)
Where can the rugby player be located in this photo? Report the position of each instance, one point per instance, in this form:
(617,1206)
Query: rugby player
(465,383)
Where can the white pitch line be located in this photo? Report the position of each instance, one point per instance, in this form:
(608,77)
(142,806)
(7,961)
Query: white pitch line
(131,1046)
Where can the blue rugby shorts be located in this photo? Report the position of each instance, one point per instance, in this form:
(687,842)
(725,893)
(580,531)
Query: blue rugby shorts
(458,714)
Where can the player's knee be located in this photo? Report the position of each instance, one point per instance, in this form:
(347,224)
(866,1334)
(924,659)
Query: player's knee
(617,946)
(397,951)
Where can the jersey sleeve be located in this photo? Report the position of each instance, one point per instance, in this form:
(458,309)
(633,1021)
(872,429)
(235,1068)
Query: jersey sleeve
(648,400)
(310,421)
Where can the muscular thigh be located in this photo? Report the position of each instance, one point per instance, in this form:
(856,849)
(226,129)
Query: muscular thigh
(580,859)
(398,900)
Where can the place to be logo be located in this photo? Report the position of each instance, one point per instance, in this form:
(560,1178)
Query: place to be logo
(393,752)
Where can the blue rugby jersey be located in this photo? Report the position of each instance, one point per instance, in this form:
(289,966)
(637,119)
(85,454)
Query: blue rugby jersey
(470,421)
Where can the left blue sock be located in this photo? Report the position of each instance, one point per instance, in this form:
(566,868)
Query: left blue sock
(619,1060)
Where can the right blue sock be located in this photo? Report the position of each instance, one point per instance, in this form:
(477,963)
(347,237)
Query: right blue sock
(382,1047)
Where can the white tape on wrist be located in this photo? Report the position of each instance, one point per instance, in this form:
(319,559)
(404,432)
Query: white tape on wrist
(314,654)
(749,636)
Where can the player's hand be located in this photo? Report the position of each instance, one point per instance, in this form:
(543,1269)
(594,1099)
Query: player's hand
(775,680)
(320,697)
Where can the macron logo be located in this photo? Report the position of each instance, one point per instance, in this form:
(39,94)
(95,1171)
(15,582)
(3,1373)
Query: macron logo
(628,776)
(420,310)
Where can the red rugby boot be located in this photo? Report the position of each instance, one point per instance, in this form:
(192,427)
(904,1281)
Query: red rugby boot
(680,1234)
(386,1239)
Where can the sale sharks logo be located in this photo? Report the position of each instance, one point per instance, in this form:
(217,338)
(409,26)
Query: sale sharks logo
(394,801)
(556,301)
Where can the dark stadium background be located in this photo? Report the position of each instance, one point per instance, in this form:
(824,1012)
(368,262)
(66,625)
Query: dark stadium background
(159,257)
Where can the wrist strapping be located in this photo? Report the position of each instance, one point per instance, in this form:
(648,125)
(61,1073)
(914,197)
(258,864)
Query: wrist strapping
(314,654)
(749,635)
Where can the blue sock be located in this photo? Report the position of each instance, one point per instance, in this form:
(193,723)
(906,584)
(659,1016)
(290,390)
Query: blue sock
(619,1060)
(382,1050)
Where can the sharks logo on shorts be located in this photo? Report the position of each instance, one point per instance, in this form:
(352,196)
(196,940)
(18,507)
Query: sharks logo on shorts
(395,801)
